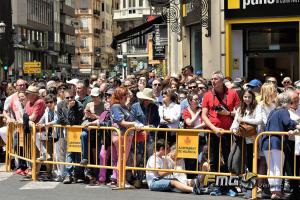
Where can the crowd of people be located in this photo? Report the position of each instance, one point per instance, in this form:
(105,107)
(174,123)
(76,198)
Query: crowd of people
(185,101)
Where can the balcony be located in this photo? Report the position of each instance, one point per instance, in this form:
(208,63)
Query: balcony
(68,29)
(67,10)
(67,48)
(131,13)
(83,30)
(136,49)
(83,11)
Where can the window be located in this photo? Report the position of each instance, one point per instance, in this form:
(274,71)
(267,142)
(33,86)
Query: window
(84,23)
(84,59)
(124,3)
(140,3)
(102,7)
(83,42)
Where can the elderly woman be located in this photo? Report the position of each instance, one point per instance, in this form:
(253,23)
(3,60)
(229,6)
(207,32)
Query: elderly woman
(278,120)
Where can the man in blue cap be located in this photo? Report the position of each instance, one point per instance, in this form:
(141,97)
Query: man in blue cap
(255,86)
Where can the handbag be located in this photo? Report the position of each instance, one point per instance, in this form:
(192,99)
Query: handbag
(247,130)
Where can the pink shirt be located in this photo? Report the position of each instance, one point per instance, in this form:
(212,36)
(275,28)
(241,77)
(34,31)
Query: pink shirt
(15,106)
(38,107)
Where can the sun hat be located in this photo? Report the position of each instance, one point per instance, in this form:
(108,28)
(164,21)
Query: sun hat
(146,94)
(32,89)
(95,92)
(73,81)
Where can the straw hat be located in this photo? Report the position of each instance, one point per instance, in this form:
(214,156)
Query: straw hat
(146,94)
(32,89)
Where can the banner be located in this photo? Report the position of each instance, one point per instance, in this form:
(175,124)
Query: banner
(187,145)
(235,9)
(73,142)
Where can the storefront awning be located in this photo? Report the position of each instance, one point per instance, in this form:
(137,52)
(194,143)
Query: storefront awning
(136,32)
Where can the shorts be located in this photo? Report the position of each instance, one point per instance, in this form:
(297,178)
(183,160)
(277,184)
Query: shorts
(162,185)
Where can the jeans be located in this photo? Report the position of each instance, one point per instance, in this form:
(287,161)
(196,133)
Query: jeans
(73,157)
(84,143)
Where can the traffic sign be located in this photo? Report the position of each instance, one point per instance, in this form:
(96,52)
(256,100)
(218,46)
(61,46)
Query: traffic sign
(32,68)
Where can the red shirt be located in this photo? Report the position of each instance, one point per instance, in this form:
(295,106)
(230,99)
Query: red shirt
(210,101)
(37,107)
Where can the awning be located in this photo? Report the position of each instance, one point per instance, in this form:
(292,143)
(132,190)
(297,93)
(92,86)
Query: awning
(136,32)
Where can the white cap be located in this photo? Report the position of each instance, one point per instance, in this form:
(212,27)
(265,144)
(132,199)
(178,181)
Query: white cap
(74,81)
(95,92)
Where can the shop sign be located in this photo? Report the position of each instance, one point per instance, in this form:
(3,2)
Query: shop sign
(187,146)
(74,144)
(160,40)
(261,8)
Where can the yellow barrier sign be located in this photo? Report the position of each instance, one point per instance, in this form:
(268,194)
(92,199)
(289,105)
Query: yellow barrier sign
(187,145)
(74,144)
(32,68)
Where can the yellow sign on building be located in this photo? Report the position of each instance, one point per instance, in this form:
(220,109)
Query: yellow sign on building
(187,145)
(74,144)
(32,68)
(234,4)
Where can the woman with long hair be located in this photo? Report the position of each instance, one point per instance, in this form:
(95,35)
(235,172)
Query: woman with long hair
(122,119)
(247,113)
(268,94)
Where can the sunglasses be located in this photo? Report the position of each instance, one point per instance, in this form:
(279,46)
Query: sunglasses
(192,87)
(157,84)
(272,82)
(47,102)
(72,97)
(201,88)
(286,82)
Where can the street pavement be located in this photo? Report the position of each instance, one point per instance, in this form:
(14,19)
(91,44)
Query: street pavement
(12,187)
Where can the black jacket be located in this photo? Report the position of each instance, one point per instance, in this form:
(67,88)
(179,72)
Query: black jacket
(68,116)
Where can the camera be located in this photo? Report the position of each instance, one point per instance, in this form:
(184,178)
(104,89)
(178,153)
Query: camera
(218,108)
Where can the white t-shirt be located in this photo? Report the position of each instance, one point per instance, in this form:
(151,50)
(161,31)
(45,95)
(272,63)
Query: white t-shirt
(180,165)
(153,162)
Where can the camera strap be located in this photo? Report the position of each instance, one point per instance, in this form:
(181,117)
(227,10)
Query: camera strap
(220,100)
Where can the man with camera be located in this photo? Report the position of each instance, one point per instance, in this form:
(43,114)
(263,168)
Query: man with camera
(218,113)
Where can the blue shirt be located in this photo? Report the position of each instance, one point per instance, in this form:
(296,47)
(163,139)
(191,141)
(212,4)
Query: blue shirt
(118,114)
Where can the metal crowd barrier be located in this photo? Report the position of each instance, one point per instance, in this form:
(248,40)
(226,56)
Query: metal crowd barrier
(186,147)
(68,139)
(283,137)
(20,146)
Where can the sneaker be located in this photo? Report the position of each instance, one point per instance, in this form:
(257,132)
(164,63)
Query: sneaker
(84,162)
(248,194)
(68,180)
(58,179)
(231,193)
(216,192)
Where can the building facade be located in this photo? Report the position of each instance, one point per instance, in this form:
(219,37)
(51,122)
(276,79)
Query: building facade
(127,15)
(43,33)
(93,36)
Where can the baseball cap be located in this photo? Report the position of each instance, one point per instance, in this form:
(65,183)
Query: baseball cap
(254,83)
(95,92)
